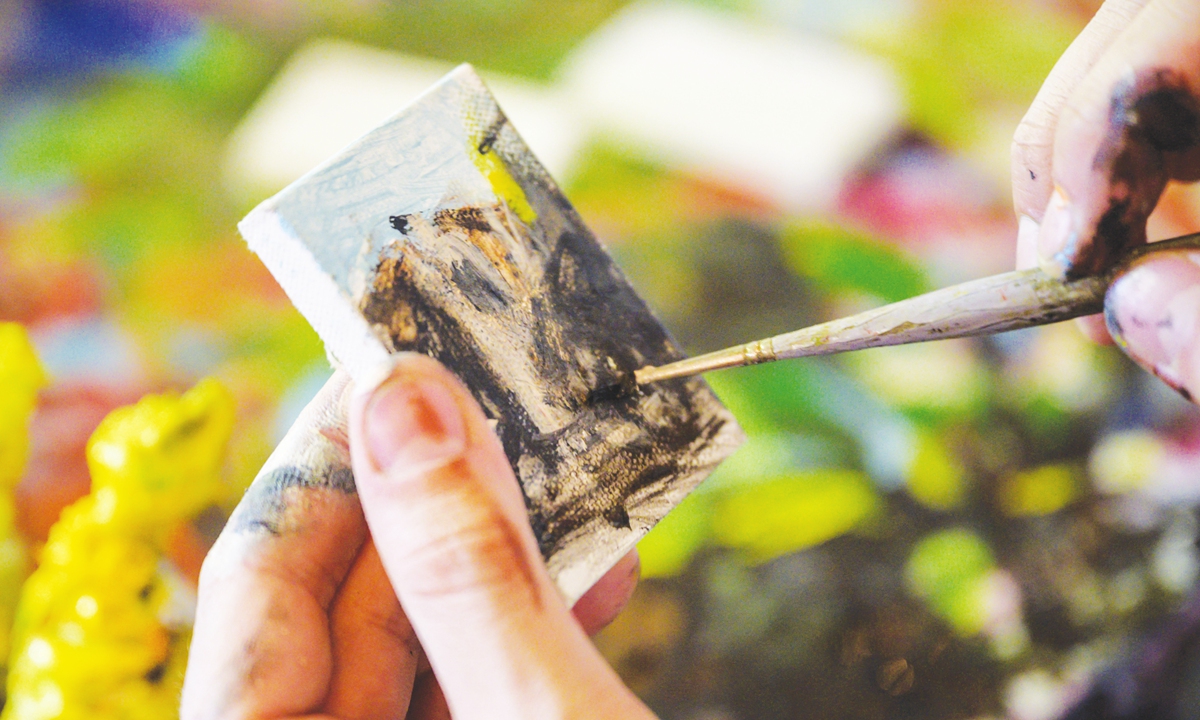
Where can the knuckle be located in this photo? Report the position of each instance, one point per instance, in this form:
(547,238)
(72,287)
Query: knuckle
(465,545)
(482,555)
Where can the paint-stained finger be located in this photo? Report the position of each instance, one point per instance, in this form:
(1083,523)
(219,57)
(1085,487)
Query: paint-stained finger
(1153,312)
(375,653)
(1132,124)
(261,645)
(449,521)
(1033,141)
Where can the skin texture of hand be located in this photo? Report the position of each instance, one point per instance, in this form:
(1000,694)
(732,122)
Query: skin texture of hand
(433,603)
(1117,119)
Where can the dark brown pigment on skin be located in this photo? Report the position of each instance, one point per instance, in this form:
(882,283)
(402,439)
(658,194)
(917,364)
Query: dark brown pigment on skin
(585,303)
(516,554)
(1151,118)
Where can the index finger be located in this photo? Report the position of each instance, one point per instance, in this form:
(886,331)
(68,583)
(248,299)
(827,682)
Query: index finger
(1121,136)
(261,645)
(1033,141)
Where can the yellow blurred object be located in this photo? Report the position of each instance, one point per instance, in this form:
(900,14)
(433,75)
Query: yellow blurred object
(1066,368)
(21,377)
(90,640)
(936,478)
(1125,461)
(1040,491)
(793,512)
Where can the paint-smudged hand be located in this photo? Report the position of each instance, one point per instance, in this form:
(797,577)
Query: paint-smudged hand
(316,605)
(1117,119)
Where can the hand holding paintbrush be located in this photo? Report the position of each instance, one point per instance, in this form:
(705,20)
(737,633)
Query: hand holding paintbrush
(1118,117)
(1011,301)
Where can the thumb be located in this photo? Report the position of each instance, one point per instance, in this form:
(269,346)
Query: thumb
(1153,312)
(449,521)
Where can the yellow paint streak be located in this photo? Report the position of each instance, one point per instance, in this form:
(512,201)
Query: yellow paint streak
(503,183)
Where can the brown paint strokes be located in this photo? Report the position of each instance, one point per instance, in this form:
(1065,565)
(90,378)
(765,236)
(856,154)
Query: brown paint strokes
(534,326)
(440,233)
(1153,119)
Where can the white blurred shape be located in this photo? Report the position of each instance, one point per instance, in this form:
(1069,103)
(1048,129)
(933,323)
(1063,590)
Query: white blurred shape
(332,92)
(1175,560)
(777,113)
(1035,695)
(1125,461)
(845,17)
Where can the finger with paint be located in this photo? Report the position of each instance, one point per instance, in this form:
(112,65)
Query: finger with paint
(1118,117)
(449,522)
(297,615)
(1153,312)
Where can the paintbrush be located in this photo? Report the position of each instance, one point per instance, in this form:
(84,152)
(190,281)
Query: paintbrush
(1010,301)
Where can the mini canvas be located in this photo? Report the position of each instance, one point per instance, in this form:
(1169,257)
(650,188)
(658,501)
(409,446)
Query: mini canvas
(440,233)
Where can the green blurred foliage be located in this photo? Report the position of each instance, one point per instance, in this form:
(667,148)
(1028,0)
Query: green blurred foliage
(135,153)
(763,520)
(959,61)
(947,568)
(840,260)
(519,37)
(937,478)
(793,512)
(1040,491)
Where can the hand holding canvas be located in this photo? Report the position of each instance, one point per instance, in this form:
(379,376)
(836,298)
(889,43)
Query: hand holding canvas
(1116,120)
(332,615)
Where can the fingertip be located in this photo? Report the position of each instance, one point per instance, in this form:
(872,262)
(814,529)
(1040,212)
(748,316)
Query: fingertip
(1152,311)
(1058,237)
(445,511)
(601,604)
(1027,238)
(1093,328)
(455,541)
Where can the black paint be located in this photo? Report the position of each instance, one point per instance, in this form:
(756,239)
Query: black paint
(265,504)
(1151,119)
(492,134)
(625,386)
(156,674)
(589,331)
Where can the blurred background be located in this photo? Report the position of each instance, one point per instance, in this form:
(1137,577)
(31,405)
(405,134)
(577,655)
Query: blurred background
(1002,528)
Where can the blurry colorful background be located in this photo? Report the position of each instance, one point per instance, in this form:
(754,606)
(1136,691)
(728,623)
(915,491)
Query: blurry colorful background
(1002,528)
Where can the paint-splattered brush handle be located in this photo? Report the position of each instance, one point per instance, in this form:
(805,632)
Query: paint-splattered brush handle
(999,303)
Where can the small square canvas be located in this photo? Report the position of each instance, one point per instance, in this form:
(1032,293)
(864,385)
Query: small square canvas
(439,232)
